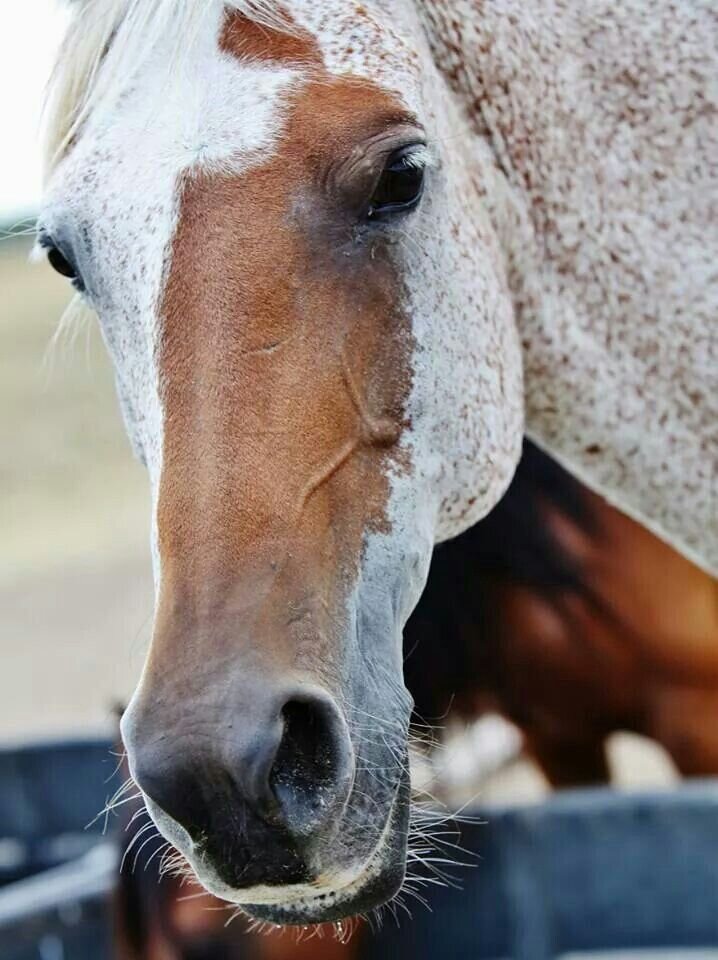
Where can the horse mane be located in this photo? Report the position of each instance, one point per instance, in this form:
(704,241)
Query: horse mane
(105,42)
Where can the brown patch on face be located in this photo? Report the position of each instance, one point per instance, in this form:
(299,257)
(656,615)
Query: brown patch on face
(285,370)
(245,39)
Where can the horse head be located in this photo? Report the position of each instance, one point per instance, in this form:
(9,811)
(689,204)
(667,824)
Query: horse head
(280,221)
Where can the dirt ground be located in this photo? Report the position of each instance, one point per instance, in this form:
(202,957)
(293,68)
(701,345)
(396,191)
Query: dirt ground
(75,589)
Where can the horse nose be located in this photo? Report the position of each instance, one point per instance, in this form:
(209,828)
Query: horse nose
(287,762)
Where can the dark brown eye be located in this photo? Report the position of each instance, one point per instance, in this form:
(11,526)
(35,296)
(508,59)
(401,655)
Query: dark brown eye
(60,263)
(401,183)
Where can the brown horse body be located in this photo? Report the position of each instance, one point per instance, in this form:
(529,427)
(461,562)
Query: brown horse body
(574,622)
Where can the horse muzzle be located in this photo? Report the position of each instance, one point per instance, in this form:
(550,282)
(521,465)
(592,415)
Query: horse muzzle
(258,791)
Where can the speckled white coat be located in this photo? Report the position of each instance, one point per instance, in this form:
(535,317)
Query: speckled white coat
(602,119)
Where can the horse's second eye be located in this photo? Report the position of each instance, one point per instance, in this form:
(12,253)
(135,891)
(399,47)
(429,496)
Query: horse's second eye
(59,262)
(401,184)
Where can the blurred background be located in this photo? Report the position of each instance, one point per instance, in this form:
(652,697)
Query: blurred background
(76,600)
(75,588)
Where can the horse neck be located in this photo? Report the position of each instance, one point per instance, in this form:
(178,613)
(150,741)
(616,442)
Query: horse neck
(510,65)
(595,120)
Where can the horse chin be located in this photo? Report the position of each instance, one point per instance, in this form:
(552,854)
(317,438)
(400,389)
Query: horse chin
(364,895)
(377,880)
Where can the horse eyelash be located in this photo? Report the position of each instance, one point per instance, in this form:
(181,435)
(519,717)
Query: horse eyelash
(420,159)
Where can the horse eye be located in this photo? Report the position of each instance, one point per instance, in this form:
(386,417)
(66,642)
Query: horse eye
(59,262)
(400,186)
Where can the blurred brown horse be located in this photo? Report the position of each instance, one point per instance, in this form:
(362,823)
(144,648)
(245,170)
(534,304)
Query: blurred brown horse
(574,622)
(556,611)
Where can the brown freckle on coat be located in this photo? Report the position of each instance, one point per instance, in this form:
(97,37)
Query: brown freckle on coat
(245,39)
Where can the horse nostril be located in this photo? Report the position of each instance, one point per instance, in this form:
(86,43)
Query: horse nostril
(281,779)
(311,765)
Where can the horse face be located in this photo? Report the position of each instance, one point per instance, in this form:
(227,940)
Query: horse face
(314,351)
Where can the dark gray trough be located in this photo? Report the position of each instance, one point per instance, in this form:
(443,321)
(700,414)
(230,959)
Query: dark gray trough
(588,871)
(56,872)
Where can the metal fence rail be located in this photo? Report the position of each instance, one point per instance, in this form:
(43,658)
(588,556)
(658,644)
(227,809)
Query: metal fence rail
(587,871)
(62,913)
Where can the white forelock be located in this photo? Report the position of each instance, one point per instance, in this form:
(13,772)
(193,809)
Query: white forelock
(107,39)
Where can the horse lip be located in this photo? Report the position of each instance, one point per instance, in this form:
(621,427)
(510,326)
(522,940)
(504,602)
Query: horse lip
(326,908)
(372,888)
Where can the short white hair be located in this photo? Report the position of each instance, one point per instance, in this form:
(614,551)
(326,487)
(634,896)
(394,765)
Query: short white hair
(106,39)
